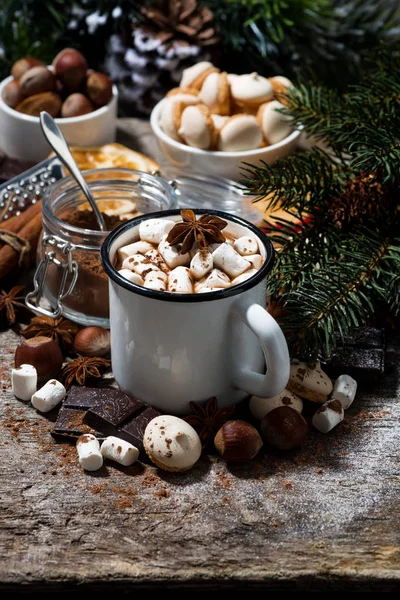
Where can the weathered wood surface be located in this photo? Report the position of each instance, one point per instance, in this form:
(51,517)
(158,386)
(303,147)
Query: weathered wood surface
(323,517)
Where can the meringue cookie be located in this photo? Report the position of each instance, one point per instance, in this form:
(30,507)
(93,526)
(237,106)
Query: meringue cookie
(215,93)
(251,90)
(193,77)
(259,407)
(274,126)
(280,84)
(171,443)
(171,112)
(310,382)
(240,132)
(197,128)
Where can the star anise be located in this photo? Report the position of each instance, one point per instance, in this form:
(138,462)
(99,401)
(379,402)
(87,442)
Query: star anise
(204,231)
(61,330)
(10,301)
(83,369)
(208,419)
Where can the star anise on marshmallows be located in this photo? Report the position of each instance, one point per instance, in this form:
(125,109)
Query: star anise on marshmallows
(208,419)
(204,231)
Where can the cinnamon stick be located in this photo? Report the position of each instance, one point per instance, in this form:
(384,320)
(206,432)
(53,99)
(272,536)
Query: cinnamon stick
(15,223)
(30,232)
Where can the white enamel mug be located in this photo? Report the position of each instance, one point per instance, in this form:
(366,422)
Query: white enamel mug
(170,349)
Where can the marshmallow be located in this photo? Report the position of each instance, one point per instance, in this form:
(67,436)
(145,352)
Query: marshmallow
(274,126)
(216,279)
(47,398)
(201,264)
(89,455)
(240,132)
(156,280)
(197,127)
(119,450)
(140,264)
(171,443)
(193,77)
(344,390)
(24,382)
(215,93)
(251,89)
(259,407)
(328,416)
(135,248)
(228,260)
(244,276)
(246,245)
(131,276)
(256,260)
(155,257)
(180,281)
(309,381)
(171,255)
(153,230)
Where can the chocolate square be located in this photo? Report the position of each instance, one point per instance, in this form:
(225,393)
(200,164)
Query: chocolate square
(111,409)
(70,425)
(133,431)
(81,397)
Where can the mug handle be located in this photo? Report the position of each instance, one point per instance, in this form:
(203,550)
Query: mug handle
(275,350)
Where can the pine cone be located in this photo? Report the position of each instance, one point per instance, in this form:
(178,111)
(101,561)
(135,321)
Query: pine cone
(364,199)
(184,20)
(148,60)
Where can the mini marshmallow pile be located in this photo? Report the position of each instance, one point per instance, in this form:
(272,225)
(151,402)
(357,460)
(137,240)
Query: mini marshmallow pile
(311,383)
(91,454)
(155,264)
(211,110)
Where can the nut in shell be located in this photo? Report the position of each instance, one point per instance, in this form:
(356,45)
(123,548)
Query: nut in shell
(92,341)
(284,428)
(48,101)
(21,66)
(41,352)
(70,67)
(237,441)
(99,88)
(76,105)
(37,81)
(12,94)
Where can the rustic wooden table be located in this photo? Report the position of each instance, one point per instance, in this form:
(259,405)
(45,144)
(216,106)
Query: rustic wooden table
(323,517)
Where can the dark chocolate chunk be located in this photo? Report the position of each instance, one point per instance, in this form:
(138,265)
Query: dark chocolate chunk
(133,431)
(115,413)
(69,423)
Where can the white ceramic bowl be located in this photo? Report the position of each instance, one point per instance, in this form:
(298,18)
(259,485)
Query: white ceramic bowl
(21,136)
(223,164)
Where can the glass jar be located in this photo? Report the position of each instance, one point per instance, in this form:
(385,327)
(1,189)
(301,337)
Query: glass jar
(69,279)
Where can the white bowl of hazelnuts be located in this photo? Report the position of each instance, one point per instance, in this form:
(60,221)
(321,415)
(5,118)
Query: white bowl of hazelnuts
(83,102)
(216,121)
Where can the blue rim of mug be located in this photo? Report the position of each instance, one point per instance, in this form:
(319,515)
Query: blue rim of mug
(174,297)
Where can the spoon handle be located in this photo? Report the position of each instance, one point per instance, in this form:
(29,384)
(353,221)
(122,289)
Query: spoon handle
(57,141)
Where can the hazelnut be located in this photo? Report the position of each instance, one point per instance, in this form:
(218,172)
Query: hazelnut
(237,441)
(75,106)
(99,88)
(70,67)
(23,65)
(41,352)
(12,94)
(37,81)
(92,341)
(284,428)
(49,101)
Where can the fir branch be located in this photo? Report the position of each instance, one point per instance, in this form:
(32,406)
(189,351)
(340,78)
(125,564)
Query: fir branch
(337,297)
(297,182)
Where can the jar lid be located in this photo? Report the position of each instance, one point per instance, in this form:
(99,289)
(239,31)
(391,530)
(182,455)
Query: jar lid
(200,190)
